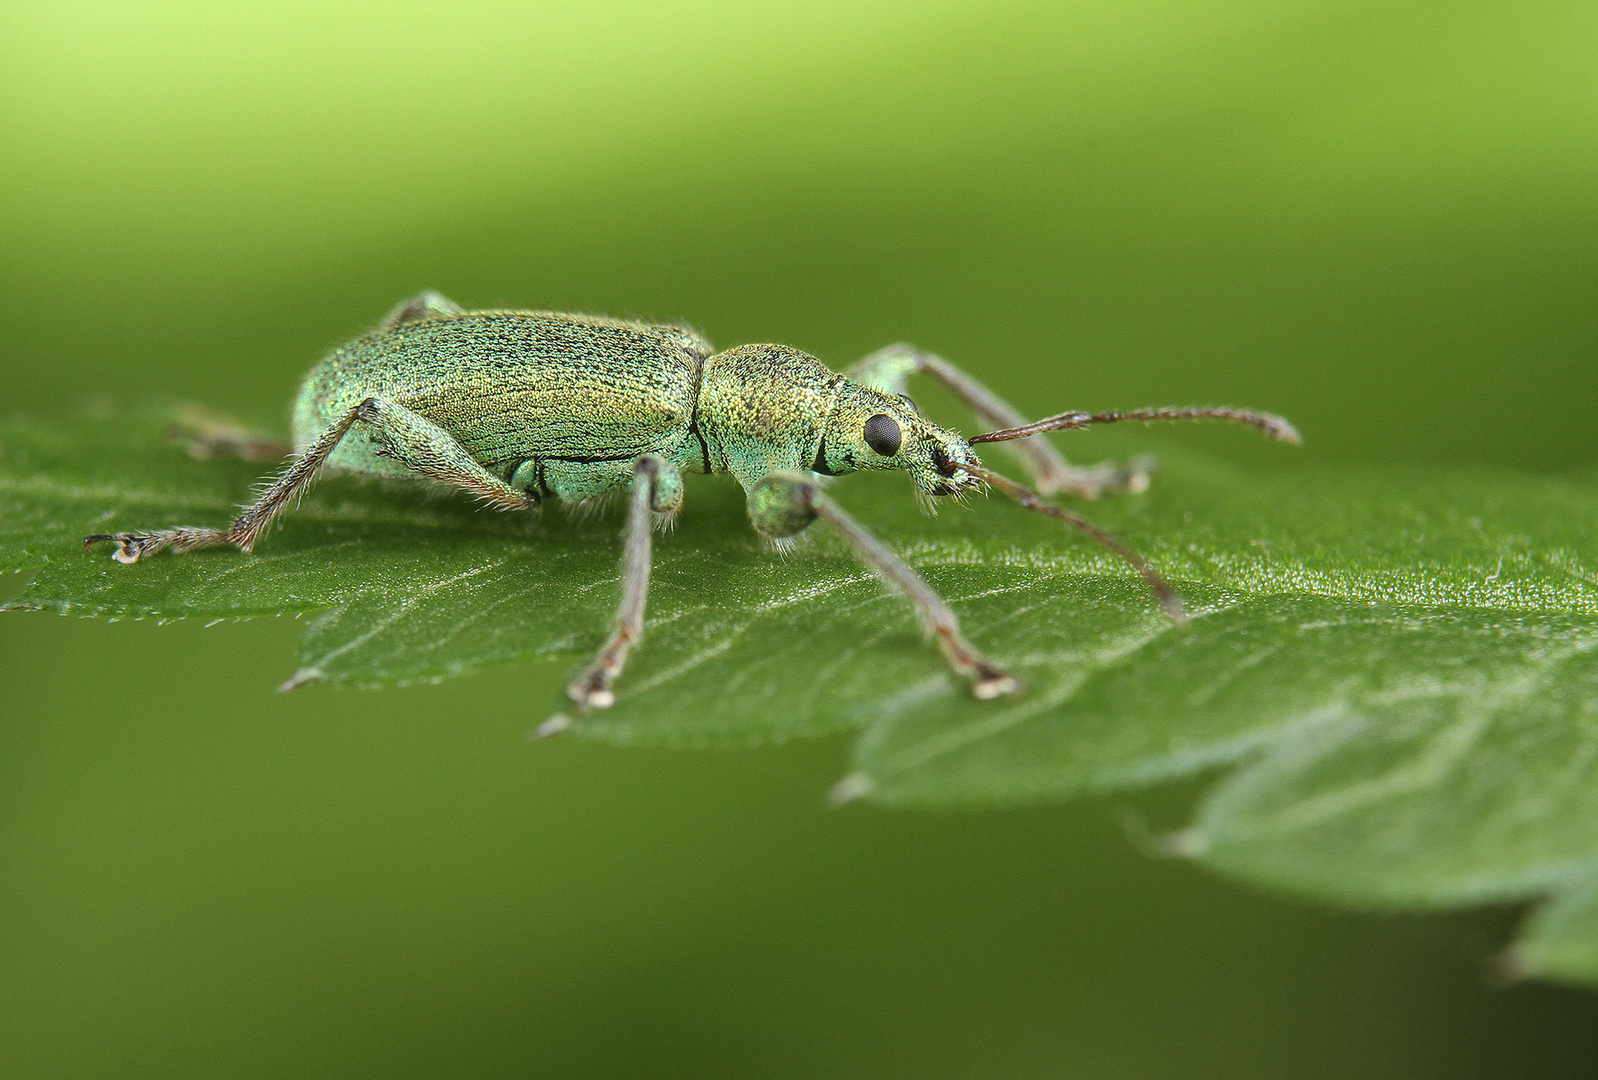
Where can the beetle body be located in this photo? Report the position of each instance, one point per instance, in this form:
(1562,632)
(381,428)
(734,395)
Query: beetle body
(563,405)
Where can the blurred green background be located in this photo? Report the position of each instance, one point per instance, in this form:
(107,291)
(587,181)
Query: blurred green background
(1376,218)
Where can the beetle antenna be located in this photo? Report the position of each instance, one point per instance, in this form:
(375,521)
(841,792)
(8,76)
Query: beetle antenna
(1270,424)
(1167,596)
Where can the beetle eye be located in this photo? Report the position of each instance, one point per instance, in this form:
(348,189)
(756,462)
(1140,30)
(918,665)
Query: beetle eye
(909,404)
(882,435)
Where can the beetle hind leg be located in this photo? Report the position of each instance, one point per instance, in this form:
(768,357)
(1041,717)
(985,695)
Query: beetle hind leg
(414,441)
(425,448)
(248,526)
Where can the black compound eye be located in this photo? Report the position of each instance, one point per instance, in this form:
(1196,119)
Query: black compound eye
(882,435)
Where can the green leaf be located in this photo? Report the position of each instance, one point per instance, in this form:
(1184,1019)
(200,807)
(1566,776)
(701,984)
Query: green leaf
(1560,940)
(1399,668)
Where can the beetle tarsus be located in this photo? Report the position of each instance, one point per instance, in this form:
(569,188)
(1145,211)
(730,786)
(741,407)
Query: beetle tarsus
(133,546)
(989,682)
(129,545)
(592,690)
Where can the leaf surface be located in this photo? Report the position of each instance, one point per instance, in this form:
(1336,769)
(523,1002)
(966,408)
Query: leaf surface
(1399,668)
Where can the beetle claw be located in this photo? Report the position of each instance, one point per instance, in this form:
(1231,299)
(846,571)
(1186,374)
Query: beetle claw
(130,546)
(991,683)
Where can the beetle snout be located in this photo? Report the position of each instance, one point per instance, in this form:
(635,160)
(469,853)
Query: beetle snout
(949,466)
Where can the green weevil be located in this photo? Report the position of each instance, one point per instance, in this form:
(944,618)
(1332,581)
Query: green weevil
(515,407)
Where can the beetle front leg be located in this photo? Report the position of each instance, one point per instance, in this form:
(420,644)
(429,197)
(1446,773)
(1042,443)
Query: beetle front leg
(889,369)
(592,688)
(782,504)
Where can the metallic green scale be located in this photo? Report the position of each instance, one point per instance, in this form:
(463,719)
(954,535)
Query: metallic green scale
(517,406)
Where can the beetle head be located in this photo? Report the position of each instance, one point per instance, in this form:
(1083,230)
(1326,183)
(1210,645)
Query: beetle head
(872,430)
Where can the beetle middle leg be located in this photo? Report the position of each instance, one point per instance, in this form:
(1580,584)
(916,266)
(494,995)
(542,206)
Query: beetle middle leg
(412,440)
(424,305)
(890,369)
(207,434)
(652,491)
(782,504)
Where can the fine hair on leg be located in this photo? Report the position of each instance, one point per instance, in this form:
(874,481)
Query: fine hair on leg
(592,688)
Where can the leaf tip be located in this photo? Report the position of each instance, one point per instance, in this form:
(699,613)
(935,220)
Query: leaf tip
(1142,835)
(1184,844)
(1511,966)
(553,726)
(300,678)
(855,786)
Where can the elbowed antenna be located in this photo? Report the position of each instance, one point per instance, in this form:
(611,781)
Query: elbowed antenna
(1274,426)
(1167,596)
